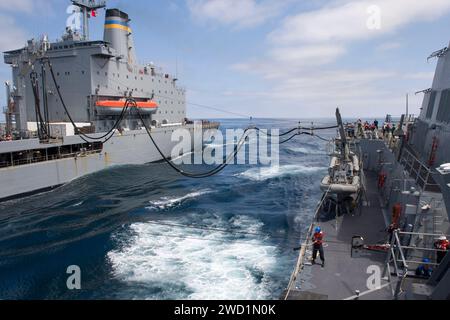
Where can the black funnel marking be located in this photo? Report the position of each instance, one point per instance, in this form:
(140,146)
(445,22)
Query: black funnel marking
(116,13)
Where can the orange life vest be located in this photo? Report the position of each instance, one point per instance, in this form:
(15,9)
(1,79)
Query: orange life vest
(381,180)
(442,245)
(318,238)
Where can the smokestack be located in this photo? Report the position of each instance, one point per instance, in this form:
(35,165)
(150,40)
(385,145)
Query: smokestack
(118,34)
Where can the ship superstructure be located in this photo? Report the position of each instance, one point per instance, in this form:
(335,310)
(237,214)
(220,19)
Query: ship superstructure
(386,240)
(90,74)
(63,92)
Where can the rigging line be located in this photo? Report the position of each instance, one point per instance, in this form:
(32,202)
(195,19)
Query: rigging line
(207,174)
(77,130)
(292,130)
(37,105)
(321,138)
(220,110)
(292,137)
(271,135)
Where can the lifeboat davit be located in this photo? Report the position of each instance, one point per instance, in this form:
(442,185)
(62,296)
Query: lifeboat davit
(116,106)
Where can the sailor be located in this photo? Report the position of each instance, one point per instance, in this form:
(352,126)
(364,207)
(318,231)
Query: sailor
(424,270)
(318,246)
(443,245)
(360,130)
(393,129)
(375,123)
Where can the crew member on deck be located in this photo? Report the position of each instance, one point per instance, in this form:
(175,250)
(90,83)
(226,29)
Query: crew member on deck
(441,244)
(424,270)
(318,246)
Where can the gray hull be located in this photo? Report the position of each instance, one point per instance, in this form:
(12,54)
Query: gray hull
(133,147)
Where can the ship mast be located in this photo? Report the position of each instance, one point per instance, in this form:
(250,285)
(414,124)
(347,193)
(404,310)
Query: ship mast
(344,145)
(86,7)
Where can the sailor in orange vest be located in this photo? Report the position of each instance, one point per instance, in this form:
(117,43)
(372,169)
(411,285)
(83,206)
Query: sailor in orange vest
(318,246)
(441,244)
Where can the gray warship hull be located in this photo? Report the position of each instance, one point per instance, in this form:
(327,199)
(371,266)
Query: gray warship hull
(36,175)
(394,243)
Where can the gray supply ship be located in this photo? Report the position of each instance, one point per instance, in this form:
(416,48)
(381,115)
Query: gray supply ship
(64,92)
(384,214)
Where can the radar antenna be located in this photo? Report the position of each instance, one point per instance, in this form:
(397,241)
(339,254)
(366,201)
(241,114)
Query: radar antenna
(438,53)
(87,7)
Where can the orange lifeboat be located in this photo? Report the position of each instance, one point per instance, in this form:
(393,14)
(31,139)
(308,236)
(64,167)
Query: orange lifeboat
(116,106)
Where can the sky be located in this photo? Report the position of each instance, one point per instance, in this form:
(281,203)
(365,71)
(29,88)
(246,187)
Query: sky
(269,58)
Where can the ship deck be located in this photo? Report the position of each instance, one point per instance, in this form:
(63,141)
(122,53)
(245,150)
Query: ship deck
(343,275)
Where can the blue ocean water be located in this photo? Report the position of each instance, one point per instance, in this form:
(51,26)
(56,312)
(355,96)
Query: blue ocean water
(144,232)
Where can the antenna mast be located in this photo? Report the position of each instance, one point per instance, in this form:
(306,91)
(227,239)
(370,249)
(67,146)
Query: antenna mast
(86,7)
(345,149)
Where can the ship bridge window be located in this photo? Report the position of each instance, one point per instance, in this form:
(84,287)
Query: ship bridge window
(431,104)
(444,107)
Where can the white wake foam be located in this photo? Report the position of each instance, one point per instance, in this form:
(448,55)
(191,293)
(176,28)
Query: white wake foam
(169,202)
(265,173)
(77,204)
(208,264)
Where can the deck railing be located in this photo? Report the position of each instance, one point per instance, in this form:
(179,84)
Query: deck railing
(23,162)
(419,171)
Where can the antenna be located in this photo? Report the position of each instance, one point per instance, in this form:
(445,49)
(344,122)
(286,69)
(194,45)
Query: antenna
(407,105)
(176,67)
(438,53)
(345,150)
(86,7)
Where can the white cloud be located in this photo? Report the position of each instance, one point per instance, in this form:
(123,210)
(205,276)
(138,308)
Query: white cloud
(238,13)
(17,5)
(16,36)
(348,21)
(387,46)
(286,61)
(300,68)
(420,76)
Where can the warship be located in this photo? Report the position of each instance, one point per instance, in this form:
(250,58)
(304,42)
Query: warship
(384,213)
(69,113)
